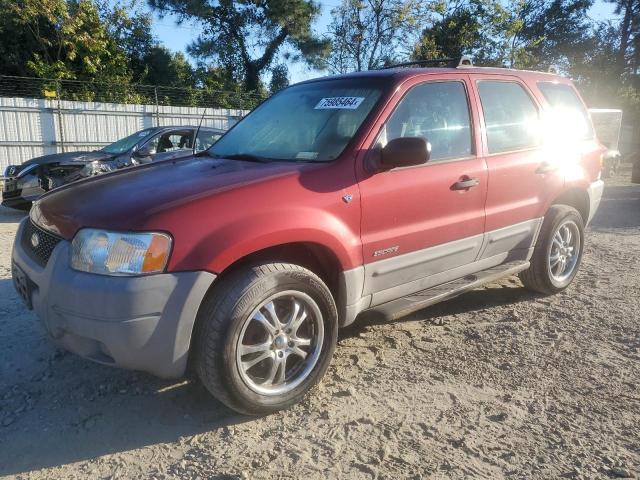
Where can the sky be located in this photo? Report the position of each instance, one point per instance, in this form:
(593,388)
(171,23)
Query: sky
(177,37)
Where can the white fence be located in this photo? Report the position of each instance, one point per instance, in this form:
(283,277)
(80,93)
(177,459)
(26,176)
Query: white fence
(31,127)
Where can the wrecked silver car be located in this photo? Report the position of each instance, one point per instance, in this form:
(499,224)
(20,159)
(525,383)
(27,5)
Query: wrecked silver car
(27,182)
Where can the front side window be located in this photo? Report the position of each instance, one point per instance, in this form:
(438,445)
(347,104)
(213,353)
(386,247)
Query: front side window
(437,112)
(310,122)
(510,116)
(568,114)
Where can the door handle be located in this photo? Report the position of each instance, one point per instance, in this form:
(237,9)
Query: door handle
(465,184)
(546,167)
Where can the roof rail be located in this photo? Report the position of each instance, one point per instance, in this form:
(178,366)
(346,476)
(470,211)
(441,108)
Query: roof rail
(456,62)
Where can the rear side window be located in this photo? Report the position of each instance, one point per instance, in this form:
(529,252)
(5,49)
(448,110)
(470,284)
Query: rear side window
(437,112)
(568,113)
(510,116)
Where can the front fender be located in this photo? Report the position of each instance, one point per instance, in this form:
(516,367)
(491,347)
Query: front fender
(230,242)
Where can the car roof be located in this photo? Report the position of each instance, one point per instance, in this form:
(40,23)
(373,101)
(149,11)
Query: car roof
(399,74)
(186,127)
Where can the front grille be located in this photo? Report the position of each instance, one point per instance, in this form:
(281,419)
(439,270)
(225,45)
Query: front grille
(44,242)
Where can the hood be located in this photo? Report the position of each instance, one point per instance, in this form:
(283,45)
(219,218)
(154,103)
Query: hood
(129,198)
(69,157)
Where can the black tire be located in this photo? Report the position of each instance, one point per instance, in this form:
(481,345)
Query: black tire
(225,311)
(538,277)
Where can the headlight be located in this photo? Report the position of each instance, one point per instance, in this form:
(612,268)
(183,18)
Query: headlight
(11,170)
(116,253)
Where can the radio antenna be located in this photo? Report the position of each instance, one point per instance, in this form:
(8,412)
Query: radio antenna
(195,138)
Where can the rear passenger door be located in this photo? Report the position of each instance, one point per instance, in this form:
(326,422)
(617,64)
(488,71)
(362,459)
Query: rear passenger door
(520,181)
(418,222)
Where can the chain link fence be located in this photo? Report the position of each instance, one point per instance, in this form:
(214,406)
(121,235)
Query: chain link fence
(136,94)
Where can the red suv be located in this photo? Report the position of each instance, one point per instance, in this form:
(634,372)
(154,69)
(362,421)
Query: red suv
(384,190)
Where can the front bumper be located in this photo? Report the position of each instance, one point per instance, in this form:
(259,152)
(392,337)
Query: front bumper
(140,323)
(595,195)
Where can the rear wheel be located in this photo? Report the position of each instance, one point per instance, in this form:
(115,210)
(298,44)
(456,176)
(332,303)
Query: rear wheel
(265,336)
(558,252)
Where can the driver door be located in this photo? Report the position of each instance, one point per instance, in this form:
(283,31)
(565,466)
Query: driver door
(422,221)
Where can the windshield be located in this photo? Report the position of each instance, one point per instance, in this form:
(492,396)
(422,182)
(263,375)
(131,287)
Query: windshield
(308,122)
(126,143)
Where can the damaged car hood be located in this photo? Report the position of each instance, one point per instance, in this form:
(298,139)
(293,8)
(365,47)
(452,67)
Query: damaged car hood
(69,158)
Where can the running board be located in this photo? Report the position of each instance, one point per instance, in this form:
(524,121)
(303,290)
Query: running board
(419,300)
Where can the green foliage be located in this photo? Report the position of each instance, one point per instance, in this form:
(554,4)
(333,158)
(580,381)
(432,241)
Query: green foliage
(519,33)
(110,45)
(279,78)
(367,34)
(603,59)
(69,40)
(245,36)
(464,28)
(162,67)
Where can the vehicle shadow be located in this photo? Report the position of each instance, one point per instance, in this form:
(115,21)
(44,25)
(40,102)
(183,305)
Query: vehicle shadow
(57,408)
(491,295)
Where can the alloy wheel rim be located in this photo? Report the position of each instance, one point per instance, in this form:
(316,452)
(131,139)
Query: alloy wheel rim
(280,343)
(564,252)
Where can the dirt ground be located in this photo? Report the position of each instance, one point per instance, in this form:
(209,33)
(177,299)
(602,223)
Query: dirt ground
(498,383)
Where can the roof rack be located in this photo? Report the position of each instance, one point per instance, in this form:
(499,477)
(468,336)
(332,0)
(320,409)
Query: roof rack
(456,62)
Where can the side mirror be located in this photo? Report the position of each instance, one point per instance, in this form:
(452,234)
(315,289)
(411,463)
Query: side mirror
(143,152)
(401,152)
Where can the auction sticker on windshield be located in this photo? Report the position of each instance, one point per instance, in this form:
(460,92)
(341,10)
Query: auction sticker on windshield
(349,103)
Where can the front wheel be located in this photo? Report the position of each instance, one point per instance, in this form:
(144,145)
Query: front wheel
(558,251)
(265,336)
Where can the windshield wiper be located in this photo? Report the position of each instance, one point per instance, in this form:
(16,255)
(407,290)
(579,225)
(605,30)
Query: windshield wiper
(249,157)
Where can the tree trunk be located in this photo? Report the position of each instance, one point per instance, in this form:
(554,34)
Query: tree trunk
(625,34)
(252,77)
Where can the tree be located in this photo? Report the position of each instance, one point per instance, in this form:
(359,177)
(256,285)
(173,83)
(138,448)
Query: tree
(132,33)
(245,36)
(162,67)
(16,43)
(549,32)
(279,78)
(367,34)
(627,55)
(602,81)
(471,27)
(67,39)
(518,33)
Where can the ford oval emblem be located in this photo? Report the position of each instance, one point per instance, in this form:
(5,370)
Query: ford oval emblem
(35,240)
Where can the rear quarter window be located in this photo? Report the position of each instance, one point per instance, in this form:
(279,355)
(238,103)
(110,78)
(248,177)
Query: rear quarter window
(568,114)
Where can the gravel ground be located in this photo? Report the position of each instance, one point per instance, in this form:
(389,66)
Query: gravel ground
(498,383)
